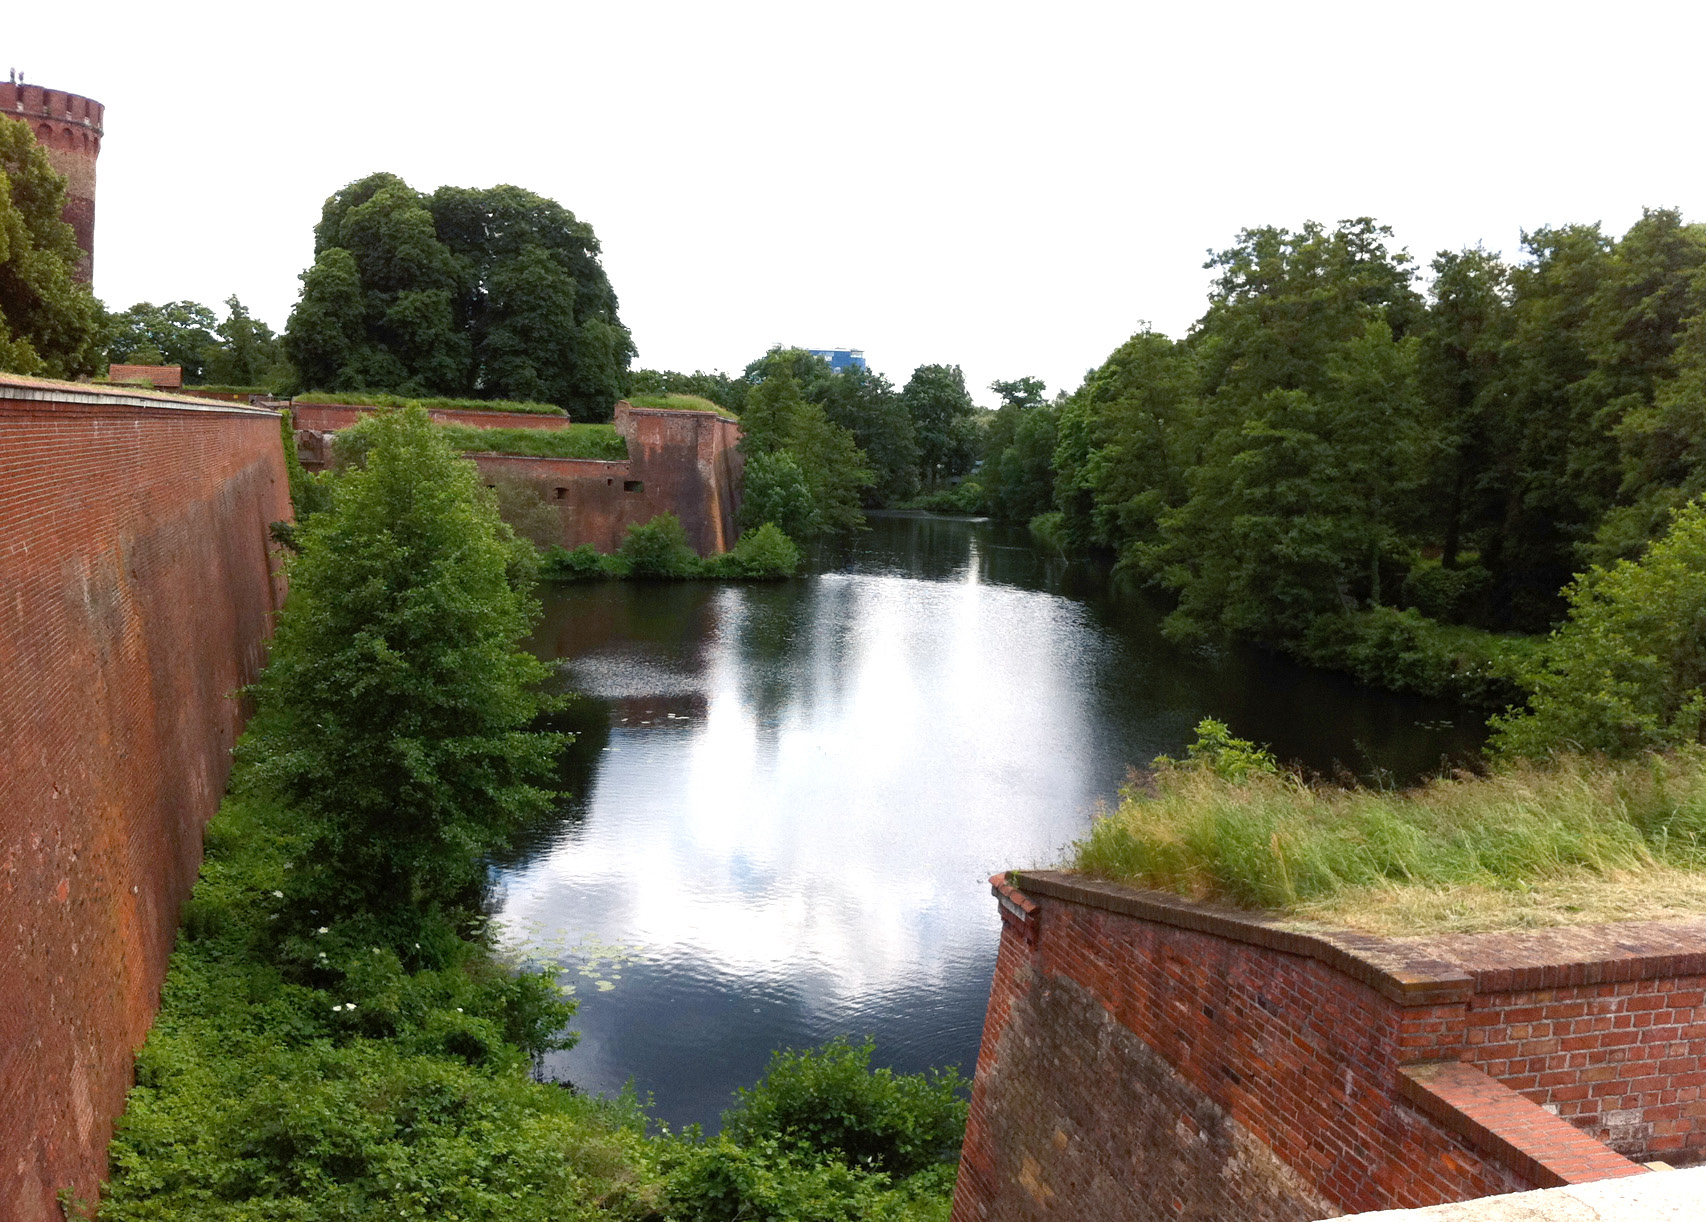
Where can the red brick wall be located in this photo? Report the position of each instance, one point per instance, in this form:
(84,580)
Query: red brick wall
(69,128)
(136,586)
(685,463)
(1147,1058)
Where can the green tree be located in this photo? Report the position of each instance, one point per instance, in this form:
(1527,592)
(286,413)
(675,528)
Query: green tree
(49,322)
(943,422)
(1018,451)
(496,293)
(1626,671)
(1126,440)
(177,333)
(778,420)
(774,489)
(248,354)
(1312,438)
(394,713)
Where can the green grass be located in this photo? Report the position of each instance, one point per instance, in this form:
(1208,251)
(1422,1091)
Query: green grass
(577,441)
(354,398)
(682,403)
(1580,840)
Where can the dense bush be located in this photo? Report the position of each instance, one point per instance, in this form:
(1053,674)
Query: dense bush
(1452,596)
(965,497)
(1405,651)
(829,1101)
(659,549)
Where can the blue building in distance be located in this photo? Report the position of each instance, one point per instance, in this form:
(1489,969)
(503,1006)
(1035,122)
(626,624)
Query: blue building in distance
(841,358)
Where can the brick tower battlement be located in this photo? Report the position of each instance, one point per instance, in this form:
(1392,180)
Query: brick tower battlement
(68,126)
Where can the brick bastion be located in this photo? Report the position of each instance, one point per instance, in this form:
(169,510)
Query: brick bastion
(137,585)
(1146,1057)
(681,462)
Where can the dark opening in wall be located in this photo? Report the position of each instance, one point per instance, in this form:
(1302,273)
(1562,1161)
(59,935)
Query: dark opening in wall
(633,485)
(562,493)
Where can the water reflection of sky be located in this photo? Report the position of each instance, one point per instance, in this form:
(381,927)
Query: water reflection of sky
(804,791)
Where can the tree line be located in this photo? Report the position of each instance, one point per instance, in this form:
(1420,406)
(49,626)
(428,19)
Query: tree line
(1332,435)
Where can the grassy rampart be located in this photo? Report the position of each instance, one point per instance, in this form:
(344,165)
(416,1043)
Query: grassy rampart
(1574,841)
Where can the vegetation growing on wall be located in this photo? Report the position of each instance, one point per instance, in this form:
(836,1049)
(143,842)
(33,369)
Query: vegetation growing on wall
(362,398)
(1576,841)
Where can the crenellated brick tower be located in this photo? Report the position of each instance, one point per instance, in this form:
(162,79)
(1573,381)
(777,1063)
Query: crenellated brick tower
(69,128)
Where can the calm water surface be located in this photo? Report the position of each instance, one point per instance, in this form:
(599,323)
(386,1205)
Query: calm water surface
(789,798)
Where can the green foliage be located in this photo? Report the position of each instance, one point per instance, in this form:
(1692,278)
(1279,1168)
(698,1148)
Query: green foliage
(393,716)
(600,441)
(1216,750)
(1452,595)
(966,497)
(719,388)
(828,1101)
(682,403)
(360,398)
(774,489)
(49,323)
(1258,838)
(790,441)
(1405,651)
(496,290)
(766,553)
(659,548)
(309,493)
(1626,671)
(943,422)
(526,512)
(320,1073)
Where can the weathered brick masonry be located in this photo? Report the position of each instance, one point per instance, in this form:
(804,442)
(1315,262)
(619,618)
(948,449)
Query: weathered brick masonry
(1148,1058)
(136,590)
(680,462)
(69,128)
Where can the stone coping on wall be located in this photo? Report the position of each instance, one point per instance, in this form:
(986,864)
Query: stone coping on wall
(1420,970)
(1672,1196)
(1542,1148)
(20,388)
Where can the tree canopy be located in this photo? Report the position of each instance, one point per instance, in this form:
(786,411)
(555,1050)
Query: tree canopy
(49,321)
(494,292)
(395,711)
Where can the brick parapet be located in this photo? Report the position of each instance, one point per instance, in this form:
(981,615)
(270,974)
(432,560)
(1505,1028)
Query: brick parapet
(1295,1040)
(137,585)
(1544,1150)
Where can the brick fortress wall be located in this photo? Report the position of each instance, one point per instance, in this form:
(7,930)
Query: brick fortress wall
(685,463)
(136,590)
(1148,1058)
(69,127)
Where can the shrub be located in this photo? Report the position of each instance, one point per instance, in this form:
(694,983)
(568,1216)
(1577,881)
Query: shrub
(828,1101)
(1407,652)
(1449,595)
(562,564)
(762,554)
(598,441)
(659,548)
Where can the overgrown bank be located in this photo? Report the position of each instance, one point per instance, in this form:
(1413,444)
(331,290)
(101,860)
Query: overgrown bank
(336,1039)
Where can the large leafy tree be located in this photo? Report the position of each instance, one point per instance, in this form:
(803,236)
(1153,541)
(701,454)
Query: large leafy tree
(49,322)
(943,421)
(790,441)
(1018,450)
(177,333)
(495,292)
(395,712)
(1312,438)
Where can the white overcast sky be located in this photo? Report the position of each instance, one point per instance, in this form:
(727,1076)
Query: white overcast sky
(1007,187)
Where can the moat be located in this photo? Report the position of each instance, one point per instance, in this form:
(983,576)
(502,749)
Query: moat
(788,830)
